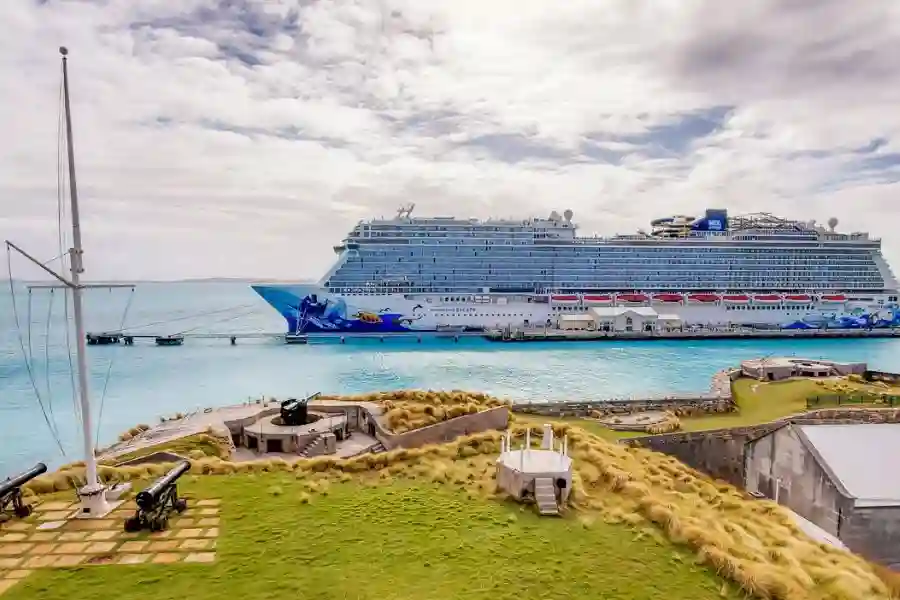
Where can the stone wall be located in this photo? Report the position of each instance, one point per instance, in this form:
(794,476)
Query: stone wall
(697,404)
(720,452)
(445,431)
(874,532)
(718,400)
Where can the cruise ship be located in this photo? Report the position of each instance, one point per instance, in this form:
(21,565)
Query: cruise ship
(421,274)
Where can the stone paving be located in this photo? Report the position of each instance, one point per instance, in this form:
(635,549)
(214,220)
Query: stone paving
(49,540)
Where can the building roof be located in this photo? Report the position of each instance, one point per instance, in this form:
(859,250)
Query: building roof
(669,318)
(577,318)
(861,457)
(618,311)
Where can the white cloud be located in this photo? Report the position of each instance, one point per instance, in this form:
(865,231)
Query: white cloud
(246,138)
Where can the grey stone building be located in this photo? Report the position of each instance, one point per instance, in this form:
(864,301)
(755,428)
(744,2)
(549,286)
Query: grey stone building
(845,478)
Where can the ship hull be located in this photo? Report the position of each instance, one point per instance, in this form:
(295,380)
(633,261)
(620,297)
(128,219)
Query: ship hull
(313,309)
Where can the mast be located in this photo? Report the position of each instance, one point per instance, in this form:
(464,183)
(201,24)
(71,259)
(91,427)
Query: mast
(93,495)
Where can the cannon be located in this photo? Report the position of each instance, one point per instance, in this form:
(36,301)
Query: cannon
(294,412)
(156,503)
(11,493)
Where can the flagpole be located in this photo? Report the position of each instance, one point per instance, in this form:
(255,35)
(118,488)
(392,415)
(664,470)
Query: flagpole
(93,494)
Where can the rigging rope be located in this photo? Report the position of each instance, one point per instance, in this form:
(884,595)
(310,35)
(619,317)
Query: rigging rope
(109,367)
(28,368)
(29,319)
(47,359)
(75,402)
(225,320)
(184,318)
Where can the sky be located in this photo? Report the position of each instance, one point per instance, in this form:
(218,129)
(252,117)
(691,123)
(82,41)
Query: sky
(245,138)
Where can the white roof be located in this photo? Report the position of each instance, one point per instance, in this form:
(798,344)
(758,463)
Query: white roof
(618,311)
(669,318)
(536,461)
(863,457)
(575,317)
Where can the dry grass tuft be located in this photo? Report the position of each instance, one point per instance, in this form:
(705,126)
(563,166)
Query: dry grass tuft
(407,410)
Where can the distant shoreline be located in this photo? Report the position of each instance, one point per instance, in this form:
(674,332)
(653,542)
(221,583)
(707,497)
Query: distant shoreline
(144,281)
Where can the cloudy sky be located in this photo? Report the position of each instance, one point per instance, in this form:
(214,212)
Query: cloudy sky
(246,137)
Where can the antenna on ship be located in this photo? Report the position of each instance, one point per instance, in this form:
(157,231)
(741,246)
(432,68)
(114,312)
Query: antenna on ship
(405,211)
(92,496)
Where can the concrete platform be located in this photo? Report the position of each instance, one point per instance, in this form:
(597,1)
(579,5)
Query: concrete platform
(250,427)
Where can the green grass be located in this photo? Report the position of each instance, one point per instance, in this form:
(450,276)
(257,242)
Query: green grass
(394,541)
(761,402)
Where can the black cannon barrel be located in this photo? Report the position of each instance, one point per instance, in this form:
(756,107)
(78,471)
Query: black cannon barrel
(147,498)
(22,478)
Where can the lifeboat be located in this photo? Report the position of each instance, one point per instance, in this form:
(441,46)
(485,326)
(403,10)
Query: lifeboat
(594,299)
(736,298)
(833,298)
(564,299)
(798,298)
(668,298)
(632,298)
(702,298)
(767,299)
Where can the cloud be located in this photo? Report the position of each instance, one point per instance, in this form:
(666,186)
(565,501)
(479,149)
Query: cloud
(246,137)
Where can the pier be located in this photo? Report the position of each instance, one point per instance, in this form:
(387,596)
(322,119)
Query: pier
(560,335)
(178,339)
(501,336)
(111,338)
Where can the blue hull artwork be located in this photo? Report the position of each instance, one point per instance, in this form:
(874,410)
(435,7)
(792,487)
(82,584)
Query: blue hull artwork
(318,313)
(857,318)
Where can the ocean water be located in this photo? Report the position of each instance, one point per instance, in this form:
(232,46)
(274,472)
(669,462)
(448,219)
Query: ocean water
(145,381)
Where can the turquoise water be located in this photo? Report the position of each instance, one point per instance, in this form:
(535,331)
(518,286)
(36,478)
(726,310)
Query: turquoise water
(147,381)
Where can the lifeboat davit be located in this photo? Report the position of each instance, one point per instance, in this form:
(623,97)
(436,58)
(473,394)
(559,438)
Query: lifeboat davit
(833,298)
(632,298)
(668,298)
(703,298)
(564,299)
(767,298)
(736,298)
(798,298)
(594,299)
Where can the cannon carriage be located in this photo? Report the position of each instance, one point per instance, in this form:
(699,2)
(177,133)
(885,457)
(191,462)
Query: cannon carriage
(11,500)
(156,503)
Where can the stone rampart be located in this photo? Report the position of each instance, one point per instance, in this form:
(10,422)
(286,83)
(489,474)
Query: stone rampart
(718,399)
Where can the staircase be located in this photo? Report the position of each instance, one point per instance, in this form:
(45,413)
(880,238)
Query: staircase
(379,447)
(545,495)
(314,448)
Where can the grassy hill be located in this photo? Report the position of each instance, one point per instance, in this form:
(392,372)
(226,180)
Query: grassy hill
(427,523)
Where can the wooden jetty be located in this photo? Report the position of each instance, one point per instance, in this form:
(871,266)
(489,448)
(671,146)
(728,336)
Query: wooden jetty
(177,339)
